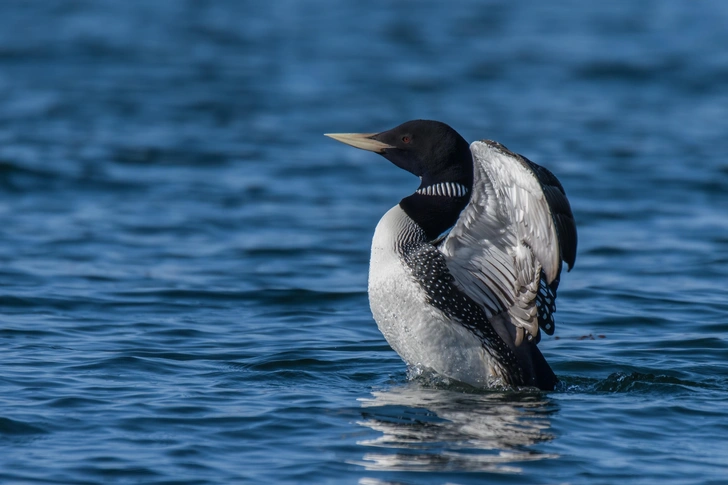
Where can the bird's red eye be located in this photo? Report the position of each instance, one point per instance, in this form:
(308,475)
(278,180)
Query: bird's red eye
(406,139)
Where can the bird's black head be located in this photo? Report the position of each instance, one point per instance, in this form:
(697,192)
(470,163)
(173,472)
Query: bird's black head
(429,149)
(438,155)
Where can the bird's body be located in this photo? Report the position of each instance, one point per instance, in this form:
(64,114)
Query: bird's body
(464,271)
(426,336)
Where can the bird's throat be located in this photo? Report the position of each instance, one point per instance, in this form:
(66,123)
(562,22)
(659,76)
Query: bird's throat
(434,214)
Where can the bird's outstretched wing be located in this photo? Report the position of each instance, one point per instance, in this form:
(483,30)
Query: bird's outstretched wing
(505,250)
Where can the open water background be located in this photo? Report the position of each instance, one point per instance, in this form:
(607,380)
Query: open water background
(183,255)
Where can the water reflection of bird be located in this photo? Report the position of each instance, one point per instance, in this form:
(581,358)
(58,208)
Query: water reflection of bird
(464,271)
(439,429)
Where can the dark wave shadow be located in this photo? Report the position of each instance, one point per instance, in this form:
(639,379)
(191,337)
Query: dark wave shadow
(641,381)
(454,429)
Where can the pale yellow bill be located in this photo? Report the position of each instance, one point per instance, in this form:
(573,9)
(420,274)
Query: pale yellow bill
(360,140)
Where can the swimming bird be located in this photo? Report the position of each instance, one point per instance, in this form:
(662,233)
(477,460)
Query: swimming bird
(464,271)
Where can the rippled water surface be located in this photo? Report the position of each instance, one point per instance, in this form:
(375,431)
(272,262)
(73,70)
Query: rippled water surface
(183,259)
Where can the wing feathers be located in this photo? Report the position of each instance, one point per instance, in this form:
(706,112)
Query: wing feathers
(560,211)
(515,231)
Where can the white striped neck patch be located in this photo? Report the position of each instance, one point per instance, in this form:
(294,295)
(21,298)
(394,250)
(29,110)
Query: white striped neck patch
(444,189)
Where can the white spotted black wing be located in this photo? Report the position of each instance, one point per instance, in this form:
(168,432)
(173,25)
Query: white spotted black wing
(505,250)
(546,305)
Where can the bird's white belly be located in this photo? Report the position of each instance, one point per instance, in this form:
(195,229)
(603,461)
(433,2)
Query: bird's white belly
(421,334)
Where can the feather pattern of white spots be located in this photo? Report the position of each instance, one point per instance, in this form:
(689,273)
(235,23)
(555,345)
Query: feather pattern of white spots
(444,189)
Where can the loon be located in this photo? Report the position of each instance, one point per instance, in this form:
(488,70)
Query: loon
(464,272)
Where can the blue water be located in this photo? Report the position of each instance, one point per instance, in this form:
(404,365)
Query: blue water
(183,255)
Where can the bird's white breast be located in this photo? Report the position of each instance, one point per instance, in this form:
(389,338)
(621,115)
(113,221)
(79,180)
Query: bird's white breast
(421,334)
